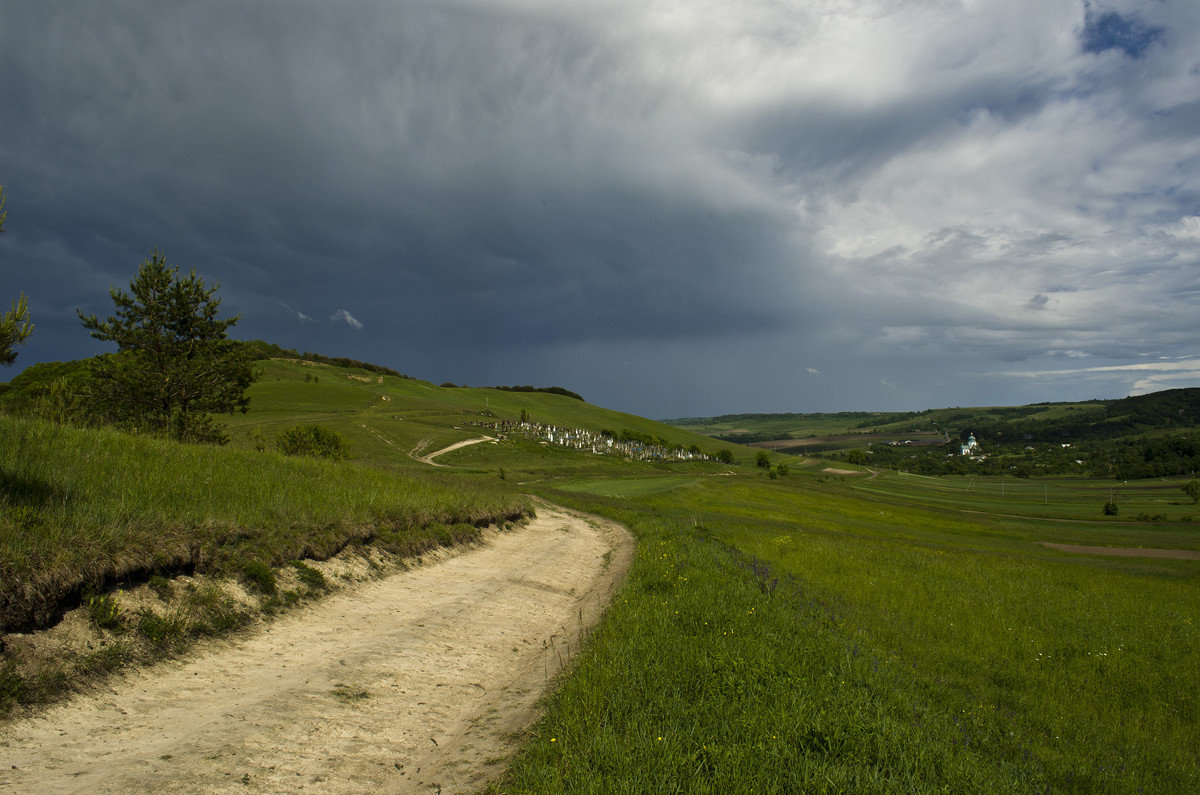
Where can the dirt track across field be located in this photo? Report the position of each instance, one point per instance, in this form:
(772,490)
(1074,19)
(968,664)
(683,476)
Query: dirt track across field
(413,683)
(428,459)
(1126,552)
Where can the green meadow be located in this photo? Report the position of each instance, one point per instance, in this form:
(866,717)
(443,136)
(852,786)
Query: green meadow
(809,631)
(803,636)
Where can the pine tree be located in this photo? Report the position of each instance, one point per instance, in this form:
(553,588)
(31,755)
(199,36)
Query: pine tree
(15,327)
(174,366)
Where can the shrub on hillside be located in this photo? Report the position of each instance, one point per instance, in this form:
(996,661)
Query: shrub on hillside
(314,440)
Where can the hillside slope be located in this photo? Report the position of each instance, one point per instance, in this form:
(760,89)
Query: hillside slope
(386,415)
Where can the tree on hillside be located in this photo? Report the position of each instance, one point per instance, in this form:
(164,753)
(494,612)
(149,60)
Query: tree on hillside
(1192,490)
(174,366)
(15,327)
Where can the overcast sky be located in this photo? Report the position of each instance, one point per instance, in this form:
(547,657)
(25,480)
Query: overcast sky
(676,208)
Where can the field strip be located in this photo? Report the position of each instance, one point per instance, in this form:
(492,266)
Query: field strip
(412,683)
(428,459)
(1126,552)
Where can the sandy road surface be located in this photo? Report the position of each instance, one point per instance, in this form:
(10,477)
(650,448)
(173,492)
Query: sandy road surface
(406,684)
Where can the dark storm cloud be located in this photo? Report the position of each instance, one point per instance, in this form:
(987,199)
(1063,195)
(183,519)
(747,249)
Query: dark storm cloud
(1109,30)
(675,208)
(377,157)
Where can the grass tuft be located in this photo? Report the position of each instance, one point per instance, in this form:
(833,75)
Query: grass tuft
(104,611)
(260,576)
(310,577)
(349,694)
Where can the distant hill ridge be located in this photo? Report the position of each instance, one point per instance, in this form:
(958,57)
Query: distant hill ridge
(1093,419)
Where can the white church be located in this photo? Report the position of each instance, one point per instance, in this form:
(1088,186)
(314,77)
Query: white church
(971,446)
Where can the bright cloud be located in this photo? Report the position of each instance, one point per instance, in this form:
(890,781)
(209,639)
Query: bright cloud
(345,317)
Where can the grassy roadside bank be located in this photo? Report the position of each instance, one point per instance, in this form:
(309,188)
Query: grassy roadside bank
(775,639)
(83,510)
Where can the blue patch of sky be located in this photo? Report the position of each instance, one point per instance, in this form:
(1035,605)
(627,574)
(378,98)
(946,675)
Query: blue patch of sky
(1112,31)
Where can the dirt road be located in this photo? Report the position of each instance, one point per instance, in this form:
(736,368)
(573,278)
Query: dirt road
(411,683)
(428,459)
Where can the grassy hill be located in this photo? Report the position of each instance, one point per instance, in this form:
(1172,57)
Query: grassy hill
(385,414)
(387,417)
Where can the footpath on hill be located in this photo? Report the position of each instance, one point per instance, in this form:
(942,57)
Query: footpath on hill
(428,459)
(412,683)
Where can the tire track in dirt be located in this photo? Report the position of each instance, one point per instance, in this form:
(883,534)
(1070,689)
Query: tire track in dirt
(412,683)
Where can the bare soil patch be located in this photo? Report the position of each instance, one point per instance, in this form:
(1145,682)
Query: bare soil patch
(413,683)
(833,471)
(1126,552)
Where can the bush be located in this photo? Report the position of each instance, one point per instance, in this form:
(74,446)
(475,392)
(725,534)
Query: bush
(314,440)
(762,459)
(783,470)
(725,455)
(1111,509)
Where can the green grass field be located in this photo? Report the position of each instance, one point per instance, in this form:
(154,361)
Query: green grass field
(784,636)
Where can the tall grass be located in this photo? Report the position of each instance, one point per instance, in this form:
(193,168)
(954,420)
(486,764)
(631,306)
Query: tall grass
(778,637)
(78,507)
(708,677)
